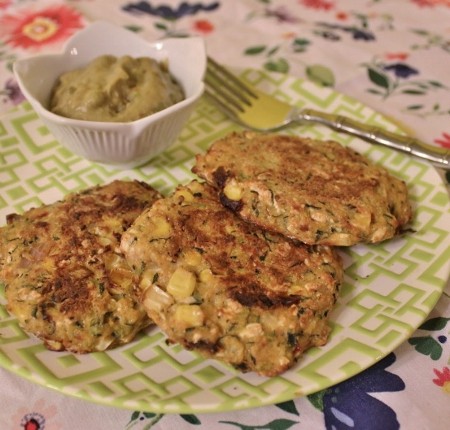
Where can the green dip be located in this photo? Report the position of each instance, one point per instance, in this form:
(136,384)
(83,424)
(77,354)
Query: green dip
(115,90)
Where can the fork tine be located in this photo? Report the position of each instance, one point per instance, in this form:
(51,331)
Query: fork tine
(225,98)
(216,69)
(226,89)
(224,107)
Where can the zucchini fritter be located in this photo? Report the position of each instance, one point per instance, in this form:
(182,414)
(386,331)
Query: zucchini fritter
(316,192)
(227,289)
(65,278)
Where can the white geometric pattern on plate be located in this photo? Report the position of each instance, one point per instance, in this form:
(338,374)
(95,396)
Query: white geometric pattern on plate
(389,289)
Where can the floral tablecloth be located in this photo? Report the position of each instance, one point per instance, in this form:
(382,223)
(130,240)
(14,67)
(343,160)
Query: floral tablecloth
(391,55)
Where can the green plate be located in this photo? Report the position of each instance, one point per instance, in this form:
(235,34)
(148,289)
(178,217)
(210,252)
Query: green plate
(389,289)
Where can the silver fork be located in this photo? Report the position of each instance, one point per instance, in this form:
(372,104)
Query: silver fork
(260,111)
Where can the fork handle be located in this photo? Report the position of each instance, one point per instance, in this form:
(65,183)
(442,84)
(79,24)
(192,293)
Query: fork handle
(440,156)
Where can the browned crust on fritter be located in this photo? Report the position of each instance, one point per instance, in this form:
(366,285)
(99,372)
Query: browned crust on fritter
(259,299)
(65,278)
(319,192)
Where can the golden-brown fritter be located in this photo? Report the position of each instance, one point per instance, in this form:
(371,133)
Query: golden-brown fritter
(313,191)
(227,289)
(65,278)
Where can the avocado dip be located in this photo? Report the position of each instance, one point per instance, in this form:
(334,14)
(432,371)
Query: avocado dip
(115,90)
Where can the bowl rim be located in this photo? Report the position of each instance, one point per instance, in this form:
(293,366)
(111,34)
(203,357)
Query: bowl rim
(94,28)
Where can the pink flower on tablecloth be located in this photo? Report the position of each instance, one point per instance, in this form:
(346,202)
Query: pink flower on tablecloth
(445,142)
(432,3)
(5,3)
(203,26)
(318,4)
(289,35)
(443,379)
(402,56)
(38,28)
(342,16)
(36,417)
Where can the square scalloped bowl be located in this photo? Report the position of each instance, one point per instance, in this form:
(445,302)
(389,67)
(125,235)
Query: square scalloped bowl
(125,144)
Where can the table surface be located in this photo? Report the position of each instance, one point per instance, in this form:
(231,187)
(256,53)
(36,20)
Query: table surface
(391,55)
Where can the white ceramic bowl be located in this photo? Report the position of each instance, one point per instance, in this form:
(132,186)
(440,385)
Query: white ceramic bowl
(126,144)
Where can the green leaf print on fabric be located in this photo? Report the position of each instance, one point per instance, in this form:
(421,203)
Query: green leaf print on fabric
(378,78)
(397,78)
(426,345)
(191,419)
(280,65)
(434,324)
(317,73)
(279,424)
(316,399)
(289,407)
(321,75)
(432,40)
(429,345)
(255,50)
(300,44)
(273,64)
(150,419)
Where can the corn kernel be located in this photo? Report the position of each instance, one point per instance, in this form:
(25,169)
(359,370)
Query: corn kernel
(192,258)
(195,187)
(206,276)
(118,270)
(161,228)
(343,238)
(233,191)
(185,194)
(189,315)
(147,279)
(121,275)
(181,284)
